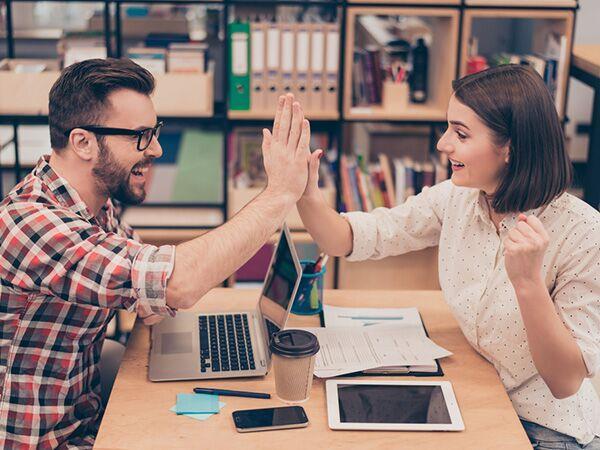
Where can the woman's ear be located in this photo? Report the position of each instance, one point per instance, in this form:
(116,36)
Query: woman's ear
(506,152)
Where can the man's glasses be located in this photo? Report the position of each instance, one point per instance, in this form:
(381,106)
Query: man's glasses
(144,136)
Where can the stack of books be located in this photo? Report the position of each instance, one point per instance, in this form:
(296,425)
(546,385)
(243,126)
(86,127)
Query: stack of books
(74,47)
(178,57)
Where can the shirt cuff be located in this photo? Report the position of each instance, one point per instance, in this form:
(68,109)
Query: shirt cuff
(364,235)
(591,358)
(151,269)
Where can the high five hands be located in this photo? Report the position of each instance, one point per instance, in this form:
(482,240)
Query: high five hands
(287,150)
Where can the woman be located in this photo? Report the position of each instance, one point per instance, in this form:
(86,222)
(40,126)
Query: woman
(519,258)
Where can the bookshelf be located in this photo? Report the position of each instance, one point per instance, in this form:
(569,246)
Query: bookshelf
(200,101)
(368,26)
(521,31)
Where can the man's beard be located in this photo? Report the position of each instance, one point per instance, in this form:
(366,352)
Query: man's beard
(114,179)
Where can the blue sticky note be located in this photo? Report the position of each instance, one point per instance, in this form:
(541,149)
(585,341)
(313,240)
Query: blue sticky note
(199,416)
(197,403)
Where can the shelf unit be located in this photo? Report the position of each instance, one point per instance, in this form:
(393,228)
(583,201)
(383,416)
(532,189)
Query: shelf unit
(540,23)
(451,20)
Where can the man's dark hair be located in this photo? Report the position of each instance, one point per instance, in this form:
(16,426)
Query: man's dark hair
(515,104)
(80,95)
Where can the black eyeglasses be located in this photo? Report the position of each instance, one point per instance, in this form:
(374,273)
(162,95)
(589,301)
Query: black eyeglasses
(144,136)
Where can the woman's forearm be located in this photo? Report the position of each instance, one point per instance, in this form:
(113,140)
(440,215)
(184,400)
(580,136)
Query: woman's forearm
(331,232)
(555,352)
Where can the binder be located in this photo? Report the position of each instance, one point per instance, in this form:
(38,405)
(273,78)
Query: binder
(273,61)
(302,57)
(258,74)
(332,51)
(317,62)
(239,70)
(287,57)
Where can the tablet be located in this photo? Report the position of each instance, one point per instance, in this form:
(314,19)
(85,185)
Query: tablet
(392,405)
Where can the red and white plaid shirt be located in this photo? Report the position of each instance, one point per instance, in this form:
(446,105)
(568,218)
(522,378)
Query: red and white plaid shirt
(63,272)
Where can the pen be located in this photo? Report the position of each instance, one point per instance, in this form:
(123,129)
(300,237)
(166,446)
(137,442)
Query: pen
(231,393)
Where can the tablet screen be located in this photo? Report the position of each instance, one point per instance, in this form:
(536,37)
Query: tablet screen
(423,404)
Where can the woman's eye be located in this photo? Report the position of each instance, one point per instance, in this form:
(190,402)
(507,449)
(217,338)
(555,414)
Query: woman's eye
(461,135)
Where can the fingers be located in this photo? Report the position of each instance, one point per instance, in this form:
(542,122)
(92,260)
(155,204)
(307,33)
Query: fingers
(304,141)
(537,226)
(267,139)
(286,120)
(296,128)
(278,113)
(313,163)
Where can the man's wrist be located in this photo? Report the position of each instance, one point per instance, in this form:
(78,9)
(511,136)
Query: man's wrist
(283,199)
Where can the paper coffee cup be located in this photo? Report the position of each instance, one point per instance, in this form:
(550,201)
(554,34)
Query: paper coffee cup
(293,353)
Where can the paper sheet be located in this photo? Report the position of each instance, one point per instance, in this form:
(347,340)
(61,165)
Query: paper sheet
(400,317)
(351,349)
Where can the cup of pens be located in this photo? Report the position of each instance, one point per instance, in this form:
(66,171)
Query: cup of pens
(309,298)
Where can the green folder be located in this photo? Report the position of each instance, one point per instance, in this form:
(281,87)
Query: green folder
(239,66)
(199,176)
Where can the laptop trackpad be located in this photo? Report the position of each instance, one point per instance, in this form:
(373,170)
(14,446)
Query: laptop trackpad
(176,343)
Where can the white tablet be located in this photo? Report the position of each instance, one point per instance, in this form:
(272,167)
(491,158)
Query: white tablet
(392,405)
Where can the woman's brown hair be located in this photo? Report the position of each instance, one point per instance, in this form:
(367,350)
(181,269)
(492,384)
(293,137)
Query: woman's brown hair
(515,104)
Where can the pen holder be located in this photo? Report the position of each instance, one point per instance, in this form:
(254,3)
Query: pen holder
(309,298)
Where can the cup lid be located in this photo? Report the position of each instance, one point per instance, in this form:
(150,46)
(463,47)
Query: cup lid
(294,343)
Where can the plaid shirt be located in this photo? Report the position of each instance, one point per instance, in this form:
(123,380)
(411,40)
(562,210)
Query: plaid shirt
(63,273)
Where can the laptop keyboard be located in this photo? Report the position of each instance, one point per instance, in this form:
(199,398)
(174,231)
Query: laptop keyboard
(271,328)
(225,343)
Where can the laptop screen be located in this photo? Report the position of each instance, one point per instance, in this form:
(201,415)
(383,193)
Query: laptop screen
(281,281)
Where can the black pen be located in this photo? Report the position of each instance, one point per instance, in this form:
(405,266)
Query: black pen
(231,393)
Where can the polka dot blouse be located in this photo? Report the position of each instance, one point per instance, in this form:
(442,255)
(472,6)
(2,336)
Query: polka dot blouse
(475,285)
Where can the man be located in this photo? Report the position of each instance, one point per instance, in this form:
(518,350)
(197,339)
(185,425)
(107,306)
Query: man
(67,263)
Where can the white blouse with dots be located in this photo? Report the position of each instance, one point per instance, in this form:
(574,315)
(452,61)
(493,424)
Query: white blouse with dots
(475,285)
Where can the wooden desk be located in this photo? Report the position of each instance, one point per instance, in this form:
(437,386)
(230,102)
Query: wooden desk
(138,415)
(586,68)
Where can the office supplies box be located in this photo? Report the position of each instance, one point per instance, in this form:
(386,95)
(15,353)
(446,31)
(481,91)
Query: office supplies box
(239,68)
(397,317)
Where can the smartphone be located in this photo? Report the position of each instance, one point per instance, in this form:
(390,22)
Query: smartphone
(270,418)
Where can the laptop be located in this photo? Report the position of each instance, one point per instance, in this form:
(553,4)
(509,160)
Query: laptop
(195,346)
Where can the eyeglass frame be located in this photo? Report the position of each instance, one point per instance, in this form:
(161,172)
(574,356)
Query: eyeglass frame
(108,131)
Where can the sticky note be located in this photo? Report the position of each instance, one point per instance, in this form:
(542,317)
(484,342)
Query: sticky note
(198,416)
(197,403)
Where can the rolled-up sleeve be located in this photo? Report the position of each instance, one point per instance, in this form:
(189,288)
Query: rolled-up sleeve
(577,294)
(151,269)
(57,253)
(411,226)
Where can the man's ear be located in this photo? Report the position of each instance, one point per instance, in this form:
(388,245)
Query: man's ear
(84,144)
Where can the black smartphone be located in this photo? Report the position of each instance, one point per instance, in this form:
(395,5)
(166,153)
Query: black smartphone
(270,418)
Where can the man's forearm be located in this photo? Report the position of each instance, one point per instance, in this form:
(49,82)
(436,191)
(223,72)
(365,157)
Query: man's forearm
(206,261)
(555,353)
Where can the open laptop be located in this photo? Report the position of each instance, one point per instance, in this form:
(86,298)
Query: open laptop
(194,346)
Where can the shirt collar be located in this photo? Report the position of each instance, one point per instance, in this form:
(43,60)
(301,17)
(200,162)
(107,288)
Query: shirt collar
(66,195)
(510,220)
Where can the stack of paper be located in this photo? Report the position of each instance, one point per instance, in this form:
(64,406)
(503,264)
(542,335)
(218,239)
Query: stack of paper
(197,406)
(358,339)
